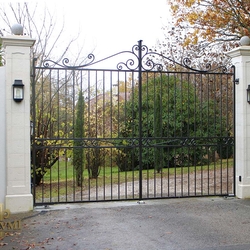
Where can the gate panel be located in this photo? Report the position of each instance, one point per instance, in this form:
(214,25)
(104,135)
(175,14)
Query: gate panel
(139,131)
(191,144)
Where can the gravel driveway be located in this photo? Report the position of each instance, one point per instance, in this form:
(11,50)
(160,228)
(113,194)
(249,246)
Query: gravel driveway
(200,183)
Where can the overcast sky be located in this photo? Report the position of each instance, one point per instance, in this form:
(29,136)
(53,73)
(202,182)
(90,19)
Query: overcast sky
(111,26)
(107,26)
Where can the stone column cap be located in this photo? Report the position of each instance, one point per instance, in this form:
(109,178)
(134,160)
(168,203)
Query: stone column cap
(240,51)
(13,40)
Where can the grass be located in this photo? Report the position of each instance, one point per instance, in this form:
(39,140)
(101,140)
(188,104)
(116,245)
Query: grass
(59,181)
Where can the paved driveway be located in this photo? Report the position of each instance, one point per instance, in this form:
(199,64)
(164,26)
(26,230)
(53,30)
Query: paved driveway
(174,224)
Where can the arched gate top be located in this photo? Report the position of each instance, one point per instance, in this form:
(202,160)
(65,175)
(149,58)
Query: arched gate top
(139,58)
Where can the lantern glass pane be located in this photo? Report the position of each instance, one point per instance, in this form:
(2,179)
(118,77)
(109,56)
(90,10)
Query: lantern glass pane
(18,93)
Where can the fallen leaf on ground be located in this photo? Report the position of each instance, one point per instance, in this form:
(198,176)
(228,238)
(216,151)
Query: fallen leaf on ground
(3,244)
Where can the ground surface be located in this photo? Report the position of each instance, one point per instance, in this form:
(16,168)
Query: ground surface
(174,224)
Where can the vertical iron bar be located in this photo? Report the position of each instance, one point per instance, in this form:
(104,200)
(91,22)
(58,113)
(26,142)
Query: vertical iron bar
(66,131)
(154,133)
(196,101)
(95,135)
(161,131)
(215,108)
(58,133)
(228,126)
(45,135)
(88,126)
(148,182)
(182,134)
(103,133)
(201,121)
(234,132)
(174,133)
(208,121)
(127,86)
(74,132)
(111,134)
(133,150)
(190,85)
(140,115)
(168,125)
(39,131)
(33,164)
(82,108)
(118,129)
(221,132)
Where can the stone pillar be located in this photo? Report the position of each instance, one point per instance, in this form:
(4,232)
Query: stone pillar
(241,60)
(18,197)
(2,137)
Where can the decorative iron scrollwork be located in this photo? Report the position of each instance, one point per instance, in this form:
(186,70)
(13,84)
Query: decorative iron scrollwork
(140,58)
(189,142)
(127,65)
(187,64)
(228,141)
(134,142)
(65,63)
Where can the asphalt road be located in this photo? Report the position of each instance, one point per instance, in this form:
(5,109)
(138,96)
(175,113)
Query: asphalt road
(172,224)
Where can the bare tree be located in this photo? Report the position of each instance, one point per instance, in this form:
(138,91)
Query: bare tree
(40,23)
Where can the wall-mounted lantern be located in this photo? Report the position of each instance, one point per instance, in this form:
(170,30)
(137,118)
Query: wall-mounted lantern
(31,128)
(18,91)
(248,94)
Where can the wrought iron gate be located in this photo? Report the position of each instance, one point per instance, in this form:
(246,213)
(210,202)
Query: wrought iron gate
(149,128)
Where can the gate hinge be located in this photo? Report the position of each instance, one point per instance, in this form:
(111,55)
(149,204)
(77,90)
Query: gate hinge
(237,81)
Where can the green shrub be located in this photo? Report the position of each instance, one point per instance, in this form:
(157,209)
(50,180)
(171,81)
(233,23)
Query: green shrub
(176,124)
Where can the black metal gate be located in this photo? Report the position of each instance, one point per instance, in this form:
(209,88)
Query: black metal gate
(149,128)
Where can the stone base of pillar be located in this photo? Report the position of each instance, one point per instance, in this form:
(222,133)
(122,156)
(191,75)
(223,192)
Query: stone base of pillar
(243,191)
(19,203)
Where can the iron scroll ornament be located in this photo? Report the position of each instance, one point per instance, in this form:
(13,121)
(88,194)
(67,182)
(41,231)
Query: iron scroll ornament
(144,62)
